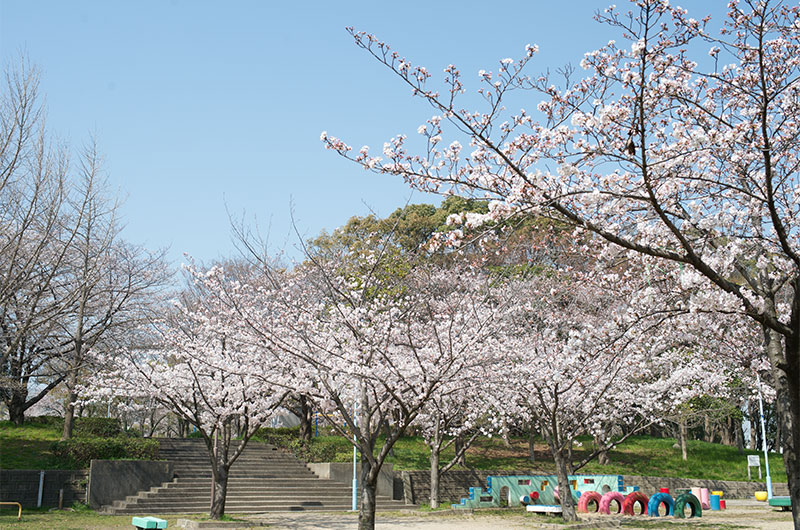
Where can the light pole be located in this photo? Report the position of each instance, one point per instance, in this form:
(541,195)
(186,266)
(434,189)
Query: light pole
(355,479)
(764,437)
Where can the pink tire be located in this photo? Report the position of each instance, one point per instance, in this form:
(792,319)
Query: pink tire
(586,498)
(607,499)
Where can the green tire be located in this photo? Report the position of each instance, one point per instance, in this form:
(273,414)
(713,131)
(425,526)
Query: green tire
(691,500)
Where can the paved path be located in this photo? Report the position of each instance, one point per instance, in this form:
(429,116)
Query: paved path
(743,513)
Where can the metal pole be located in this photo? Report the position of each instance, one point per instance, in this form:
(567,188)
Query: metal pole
(41,489)
(764,438)
(355,479)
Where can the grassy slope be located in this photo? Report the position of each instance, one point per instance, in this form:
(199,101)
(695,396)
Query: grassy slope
(640,455)
(28,447)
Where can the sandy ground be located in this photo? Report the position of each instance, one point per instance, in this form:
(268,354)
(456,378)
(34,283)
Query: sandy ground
(742,513)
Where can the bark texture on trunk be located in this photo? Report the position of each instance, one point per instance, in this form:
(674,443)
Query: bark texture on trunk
(219,492)
(531,445)
(434,479)
(564,491)
(366,512)
(684,452)
(306,419)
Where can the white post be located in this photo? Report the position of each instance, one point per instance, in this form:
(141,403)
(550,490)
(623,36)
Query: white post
(355,479)
(764,438)
(41,489)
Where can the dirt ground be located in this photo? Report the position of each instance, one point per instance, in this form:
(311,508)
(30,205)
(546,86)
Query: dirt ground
(739,514)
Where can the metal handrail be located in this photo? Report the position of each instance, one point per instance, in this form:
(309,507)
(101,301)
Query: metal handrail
(19,514)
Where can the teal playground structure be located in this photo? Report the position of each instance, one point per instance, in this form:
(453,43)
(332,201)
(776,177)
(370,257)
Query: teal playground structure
(514,490)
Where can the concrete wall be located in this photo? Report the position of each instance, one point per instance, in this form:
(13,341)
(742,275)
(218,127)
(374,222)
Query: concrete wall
(341,472)
(22,485)
(454,485)
(112,480)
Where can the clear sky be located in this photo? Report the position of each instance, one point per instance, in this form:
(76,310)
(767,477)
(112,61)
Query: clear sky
(200,106)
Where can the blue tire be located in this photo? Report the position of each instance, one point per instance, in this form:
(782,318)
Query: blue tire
(657,500)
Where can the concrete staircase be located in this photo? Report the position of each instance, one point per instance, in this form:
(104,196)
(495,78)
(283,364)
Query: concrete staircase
(262,479)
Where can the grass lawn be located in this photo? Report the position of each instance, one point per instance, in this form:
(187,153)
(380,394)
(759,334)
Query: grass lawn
(28,447)
(80,519)
(639,455)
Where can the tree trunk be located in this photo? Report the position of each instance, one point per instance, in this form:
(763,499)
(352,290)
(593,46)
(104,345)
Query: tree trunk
(602,457)
(219,492)
(682,435)
(434,478)
(306,419)
(564,491)
(16,408)
(785,368)
(531,445)
(789,416)
(753,413)
(506,435)
(69,409)
(739,436)
(69,414)
(369,483)
(458,445)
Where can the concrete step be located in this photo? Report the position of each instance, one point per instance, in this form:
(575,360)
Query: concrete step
(258,509)
(262,479)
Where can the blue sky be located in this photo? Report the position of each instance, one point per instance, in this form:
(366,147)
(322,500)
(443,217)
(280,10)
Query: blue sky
(202,106)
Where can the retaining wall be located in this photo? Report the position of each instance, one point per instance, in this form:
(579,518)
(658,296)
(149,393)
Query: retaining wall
(111,480)
(22,486)
(453,485)
(341,472)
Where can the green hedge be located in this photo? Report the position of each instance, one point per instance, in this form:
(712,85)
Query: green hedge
(81,451)
(100,427)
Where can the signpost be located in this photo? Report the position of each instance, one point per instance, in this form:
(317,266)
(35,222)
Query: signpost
(753,461)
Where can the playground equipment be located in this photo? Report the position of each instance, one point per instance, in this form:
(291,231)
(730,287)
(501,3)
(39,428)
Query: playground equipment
(506,488)
(761,496)
(18,505)
(631,500)
(781,501)
(597,493)
(608,498)
(657,500)
(589,497)
(687,499)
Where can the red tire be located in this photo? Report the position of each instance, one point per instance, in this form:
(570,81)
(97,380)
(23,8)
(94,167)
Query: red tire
(632,499)
(608,498)
(586,498)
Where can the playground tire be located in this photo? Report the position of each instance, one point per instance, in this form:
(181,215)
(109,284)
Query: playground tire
(608,498)
(587,497)
(630,501)
(656,501)
(691,500)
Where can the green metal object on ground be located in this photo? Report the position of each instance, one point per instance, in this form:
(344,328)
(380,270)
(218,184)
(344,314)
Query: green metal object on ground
(148,522)
(785,503)
(539,489)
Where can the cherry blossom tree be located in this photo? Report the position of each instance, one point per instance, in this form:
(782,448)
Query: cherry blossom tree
(455,415)
(201,366)
(372,337)
(657,146)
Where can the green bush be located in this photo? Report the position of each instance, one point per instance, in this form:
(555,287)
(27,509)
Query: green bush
(81,451)
(48,421)
(279,436)
(100,427)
